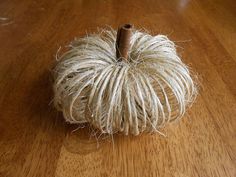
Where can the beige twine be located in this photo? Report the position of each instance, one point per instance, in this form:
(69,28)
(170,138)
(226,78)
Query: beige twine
(142,94)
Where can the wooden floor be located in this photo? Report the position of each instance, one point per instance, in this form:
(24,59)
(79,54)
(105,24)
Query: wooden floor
(36,142)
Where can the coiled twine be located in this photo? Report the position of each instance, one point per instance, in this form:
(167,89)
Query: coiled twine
(141,94)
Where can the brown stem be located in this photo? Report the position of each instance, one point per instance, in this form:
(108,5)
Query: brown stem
(123,41)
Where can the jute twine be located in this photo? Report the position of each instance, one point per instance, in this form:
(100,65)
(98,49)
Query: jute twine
(141,92)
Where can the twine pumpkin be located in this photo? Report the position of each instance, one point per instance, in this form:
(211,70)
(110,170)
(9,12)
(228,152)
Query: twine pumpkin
(126,81)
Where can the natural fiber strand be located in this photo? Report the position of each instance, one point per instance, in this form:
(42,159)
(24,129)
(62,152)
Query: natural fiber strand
(141,94)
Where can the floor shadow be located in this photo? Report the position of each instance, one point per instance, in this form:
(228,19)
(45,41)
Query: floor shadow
(40,102)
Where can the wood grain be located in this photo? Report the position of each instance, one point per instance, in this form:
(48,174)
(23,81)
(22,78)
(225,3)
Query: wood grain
(35,140)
